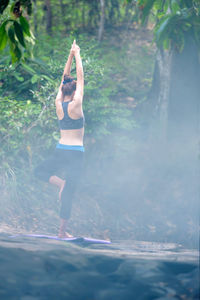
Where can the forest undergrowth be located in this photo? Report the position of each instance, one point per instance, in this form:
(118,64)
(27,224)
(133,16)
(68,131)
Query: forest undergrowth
(123,194)
(118,76)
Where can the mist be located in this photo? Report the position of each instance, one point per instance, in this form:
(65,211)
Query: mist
(144,190)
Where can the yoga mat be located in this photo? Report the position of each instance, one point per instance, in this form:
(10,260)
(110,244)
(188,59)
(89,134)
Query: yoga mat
(72,239)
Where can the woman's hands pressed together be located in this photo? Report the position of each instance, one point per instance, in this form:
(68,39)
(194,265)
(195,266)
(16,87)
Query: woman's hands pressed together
(75,49)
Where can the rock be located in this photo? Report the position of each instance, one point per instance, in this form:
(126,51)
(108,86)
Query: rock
(127,270)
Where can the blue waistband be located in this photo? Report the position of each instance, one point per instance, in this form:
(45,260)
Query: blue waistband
(70,147)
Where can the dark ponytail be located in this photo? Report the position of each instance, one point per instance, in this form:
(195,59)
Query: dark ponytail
(68,85)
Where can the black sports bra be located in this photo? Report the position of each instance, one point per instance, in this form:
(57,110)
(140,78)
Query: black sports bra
(68,123)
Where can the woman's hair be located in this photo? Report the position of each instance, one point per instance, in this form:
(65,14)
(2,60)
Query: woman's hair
(68,85)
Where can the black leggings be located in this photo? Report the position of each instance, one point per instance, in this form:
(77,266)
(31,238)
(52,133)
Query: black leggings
(70,163)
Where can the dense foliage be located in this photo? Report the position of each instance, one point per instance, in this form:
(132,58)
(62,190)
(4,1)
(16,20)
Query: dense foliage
(15,29)
(29,84)
(174,18)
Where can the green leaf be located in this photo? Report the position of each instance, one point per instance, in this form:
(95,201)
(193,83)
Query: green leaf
(3,41)
(11,34)
(19,33)
(18,77)
(146,6)
(34,78)
(39,62)
(3,5)
(12,7)
(159,5)
(13,56)
(28,69)
(17,52)
(3,36)
(166,44)
(175,6)
(186,26)
(25,25)
(161,27)
(48,78)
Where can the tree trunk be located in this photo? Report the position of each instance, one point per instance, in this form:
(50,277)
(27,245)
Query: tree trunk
(48,17)
(159,96)
(112,11)
(83,15)
(164,65)
(102,20)
(35,16)
(62,9)
(174,96)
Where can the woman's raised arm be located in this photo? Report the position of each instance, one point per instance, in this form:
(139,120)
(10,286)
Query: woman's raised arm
(78,97)
(68,65)
(66,71)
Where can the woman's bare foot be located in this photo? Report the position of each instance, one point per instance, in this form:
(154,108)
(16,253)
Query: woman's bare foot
(61,189)
(64,235)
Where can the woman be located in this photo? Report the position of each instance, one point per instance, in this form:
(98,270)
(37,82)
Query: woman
(68,155)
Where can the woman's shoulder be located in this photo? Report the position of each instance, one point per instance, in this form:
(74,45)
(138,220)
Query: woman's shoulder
(75,109)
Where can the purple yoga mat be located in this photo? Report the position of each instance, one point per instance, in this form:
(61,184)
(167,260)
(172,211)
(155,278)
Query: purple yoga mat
(73,239)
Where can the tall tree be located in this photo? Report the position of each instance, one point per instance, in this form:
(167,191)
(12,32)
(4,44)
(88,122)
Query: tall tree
(62,8)
(35,16)
(102,19)
(175,87)
(48,16)
(15,29)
